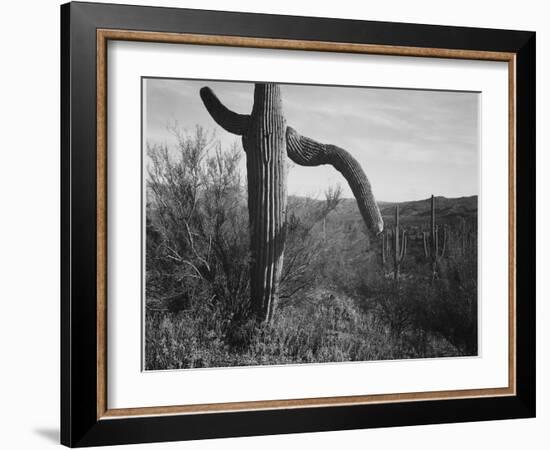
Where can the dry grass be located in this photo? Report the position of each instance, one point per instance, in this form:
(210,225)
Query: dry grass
(318,328)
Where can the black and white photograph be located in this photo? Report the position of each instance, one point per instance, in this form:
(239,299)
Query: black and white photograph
(292,224)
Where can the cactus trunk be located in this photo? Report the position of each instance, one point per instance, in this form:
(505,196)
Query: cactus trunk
(265,146)
(384,246)
(431,249)
(399,246)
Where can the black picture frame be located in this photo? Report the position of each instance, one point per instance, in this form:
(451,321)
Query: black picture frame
(80,425)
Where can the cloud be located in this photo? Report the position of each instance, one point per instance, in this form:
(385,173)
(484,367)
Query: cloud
(411,143)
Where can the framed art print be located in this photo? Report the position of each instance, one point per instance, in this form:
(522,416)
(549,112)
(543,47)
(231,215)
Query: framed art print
(276,224)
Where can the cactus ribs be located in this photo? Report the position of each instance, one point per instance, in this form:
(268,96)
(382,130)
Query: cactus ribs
(266,139)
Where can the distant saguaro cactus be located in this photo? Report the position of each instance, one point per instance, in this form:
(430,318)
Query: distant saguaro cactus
(431,241)
(398,247)
(266,139)
(385,246)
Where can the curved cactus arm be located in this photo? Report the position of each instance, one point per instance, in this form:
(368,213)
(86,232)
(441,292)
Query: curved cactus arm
(307,152)
(224,117)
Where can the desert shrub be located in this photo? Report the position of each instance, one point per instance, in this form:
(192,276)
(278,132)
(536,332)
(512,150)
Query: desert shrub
(425,318)
(306,241)
(197,242)
(389,304)
(451,310)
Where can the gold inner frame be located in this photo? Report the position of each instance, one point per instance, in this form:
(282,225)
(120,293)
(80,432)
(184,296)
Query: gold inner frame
(104,35)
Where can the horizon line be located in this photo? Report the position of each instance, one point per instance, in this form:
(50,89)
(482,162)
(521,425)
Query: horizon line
(392,201)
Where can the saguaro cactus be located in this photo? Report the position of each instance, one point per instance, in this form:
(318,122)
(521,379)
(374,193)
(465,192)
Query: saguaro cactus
(431,241)
(266,139)
(399,247)
(384,246)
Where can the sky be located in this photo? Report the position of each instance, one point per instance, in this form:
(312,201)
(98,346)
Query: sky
(410,143)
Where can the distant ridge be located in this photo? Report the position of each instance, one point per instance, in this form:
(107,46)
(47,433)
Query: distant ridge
(446,207)
(411,212)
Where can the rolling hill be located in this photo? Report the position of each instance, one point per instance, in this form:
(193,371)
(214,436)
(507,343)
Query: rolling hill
(416,212)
